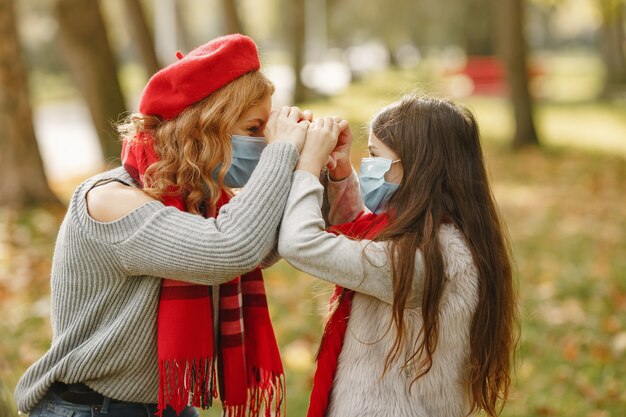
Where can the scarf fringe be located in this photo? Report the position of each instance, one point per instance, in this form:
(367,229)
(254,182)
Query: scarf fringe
(268,393)
(183,382)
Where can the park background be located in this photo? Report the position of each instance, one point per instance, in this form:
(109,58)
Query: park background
(545,78)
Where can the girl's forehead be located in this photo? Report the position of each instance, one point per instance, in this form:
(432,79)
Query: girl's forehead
(377,145)
(373,141)
(370,138)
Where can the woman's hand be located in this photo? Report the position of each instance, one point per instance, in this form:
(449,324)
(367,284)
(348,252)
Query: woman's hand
(321,139)
(341,154)
(287,125)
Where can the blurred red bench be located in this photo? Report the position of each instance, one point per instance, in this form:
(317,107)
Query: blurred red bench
(488,74)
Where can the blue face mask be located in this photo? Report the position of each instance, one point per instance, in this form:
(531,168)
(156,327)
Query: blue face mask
(246,154)
(375,191)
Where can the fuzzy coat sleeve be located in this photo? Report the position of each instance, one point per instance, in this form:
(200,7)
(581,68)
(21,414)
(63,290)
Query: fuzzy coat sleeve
(362,266)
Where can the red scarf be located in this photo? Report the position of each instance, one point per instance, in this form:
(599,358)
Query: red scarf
(365,226)
(246,362)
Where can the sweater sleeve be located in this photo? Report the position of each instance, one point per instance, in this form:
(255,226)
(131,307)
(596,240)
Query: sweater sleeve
(344,199)
(165,242)
(360,265)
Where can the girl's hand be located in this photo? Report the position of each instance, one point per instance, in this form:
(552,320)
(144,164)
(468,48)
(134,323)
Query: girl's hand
(341,154)
(287,125)
(321,139)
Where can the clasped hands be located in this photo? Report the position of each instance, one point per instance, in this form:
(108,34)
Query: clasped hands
(321,142)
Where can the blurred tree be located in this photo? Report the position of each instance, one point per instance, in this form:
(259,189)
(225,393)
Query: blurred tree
(296,34)
(512,45)
(392,26)
(91,61)
(233,22)
(479,26)
(423,23)
(353,21)
(182,30)
(22,178)
(142,34)
(613,41)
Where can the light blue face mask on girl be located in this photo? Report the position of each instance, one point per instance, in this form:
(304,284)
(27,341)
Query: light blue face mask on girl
(375,191)
(246,154)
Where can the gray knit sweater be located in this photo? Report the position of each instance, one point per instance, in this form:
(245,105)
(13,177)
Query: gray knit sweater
(106,278)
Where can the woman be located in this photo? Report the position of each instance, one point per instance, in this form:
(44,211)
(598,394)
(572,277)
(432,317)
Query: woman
(153,292)
(422,320)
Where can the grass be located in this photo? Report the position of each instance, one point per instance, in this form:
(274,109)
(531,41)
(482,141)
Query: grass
(566,212)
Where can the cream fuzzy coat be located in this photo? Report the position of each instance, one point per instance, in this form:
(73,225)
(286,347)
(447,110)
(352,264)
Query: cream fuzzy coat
(360,389)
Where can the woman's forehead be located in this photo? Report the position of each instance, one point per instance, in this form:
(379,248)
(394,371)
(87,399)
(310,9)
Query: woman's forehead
(260,110)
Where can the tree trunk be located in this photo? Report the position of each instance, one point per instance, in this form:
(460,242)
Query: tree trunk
(182,33)
(22,178)
(613,45)
(298,39)
(513,51)
(143,36)
(479,28)
(233,22)
(91,61)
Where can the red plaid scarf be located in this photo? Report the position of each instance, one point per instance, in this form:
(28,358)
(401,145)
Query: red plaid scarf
(365,226)
(246,362)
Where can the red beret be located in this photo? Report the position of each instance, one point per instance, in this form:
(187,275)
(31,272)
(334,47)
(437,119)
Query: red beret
(195,76)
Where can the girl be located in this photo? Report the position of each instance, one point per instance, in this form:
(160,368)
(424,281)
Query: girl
(422,320)
(155,280)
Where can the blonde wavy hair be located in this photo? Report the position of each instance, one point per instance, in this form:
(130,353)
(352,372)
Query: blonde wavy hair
(194,144)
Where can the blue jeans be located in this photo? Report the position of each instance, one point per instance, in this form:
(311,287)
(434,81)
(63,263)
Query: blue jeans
(53,406)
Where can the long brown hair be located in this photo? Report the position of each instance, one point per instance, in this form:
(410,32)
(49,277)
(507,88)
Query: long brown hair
(192,145)
(445,180)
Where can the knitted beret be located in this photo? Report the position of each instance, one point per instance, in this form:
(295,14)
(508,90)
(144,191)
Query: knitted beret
(198,74)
